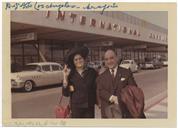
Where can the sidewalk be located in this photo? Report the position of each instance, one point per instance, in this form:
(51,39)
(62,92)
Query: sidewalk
(158,110)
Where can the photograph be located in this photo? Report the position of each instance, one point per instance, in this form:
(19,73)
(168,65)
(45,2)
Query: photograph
(72,54)
(89,64)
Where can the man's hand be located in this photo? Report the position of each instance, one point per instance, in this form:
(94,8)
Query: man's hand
(99,106)
(113,99)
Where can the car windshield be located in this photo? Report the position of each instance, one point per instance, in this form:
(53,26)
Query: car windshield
(125,62)
(31,68)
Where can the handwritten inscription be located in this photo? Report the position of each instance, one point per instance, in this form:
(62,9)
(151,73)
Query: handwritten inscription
(39,6)
(59,6)
(102,7)
(40,123)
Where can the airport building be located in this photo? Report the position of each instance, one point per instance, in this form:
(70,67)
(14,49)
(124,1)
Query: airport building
(48,35)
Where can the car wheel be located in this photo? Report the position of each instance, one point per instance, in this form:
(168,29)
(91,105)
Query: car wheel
(28,86)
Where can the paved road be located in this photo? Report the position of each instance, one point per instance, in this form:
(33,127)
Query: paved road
(159,110)
(152,81)
(41,102)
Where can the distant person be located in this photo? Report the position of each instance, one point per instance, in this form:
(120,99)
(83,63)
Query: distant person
(80,83)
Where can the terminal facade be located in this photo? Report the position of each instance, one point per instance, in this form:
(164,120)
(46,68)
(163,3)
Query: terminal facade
(38,36)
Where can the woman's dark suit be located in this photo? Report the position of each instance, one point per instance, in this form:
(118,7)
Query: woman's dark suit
(83,98)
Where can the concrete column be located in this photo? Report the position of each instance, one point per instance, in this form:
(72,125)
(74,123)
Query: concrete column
(100,54)
(23,59)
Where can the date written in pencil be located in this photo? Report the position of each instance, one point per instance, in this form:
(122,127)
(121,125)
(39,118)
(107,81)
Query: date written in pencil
(58,6)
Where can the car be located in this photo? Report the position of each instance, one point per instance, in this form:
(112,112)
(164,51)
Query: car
(153,64)
(157,63)
(165,63)
(129,64)
(91,64)
(148,65)
(37,74)
(95,64)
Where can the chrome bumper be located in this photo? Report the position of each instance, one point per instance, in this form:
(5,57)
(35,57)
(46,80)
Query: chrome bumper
(15,84)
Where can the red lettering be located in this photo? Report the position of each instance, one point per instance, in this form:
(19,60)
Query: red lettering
(83,20)
(60,15)
(73,16)
(102,24)
(47,14)
(114,27)
(109,26)
(92,22)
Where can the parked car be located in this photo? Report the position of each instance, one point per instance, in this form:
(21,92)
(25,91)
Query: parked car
(157,64)
(95,64)
(165,63)
(153,64)
(129,64)
(37,74)
(148,65)
(91,65)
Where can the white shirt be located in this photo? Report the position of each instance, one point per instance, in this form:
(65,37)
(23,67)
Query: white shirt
(112,97)
(115,70)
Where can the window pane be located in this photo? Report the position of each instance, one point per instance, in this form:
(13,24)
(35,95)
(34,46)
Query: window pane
(46,68)
(55,67)
(60,67)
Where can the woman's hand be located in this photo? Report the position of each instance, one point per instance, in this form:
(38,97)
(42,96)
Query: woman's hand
(99,106)
(66,73)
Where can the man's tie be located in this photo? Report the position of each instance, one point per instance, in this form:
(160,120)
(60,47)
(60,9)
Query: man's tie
(112,73)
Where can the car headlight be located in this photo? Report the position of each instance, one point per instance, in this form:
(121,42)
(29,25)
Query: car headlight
(19,77)
(13,83)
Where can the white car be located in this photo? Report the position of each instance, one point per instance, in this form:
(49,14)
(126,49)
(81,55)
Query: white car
(149,65)
(37,74)
(129,64)
(165,63)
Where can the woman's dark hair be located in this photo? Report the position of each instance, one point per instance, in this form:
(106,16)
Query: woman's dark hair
(72,66)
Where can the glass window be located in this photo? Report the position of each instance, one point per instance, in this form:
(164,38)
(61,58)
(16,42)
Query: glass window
(60,67)
(125,62)
(46,67)
(55,67)
(32,68)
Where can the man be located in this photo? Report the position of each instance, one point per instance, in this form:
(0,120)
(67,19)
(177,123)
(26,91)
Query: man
(109,85)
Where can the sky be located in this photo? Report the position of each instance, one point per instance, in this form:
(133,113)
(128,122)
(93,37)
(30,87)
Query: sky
(159,18)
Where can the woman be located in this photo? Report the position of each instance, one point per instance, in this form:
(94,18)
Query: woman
(79,84)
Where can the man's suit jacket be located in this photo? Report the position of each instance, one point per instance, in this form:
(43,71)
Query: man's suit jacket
(108,86)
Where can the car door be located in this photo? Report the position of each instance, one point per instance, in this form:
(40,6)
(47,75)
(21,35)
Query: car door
(47,78)
(38,76)
(135,66)
(131,66)
(57,74)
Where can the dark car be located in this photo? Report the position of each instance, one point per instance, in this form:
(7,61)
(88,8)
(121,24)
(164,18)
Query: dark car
(157,64)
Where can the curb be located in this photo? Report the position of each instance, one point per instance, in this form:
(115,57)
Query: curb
(155,100)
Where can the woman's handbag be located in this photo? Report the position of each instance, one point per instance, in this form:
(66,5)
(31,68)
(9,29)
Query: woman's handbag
(62,111)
